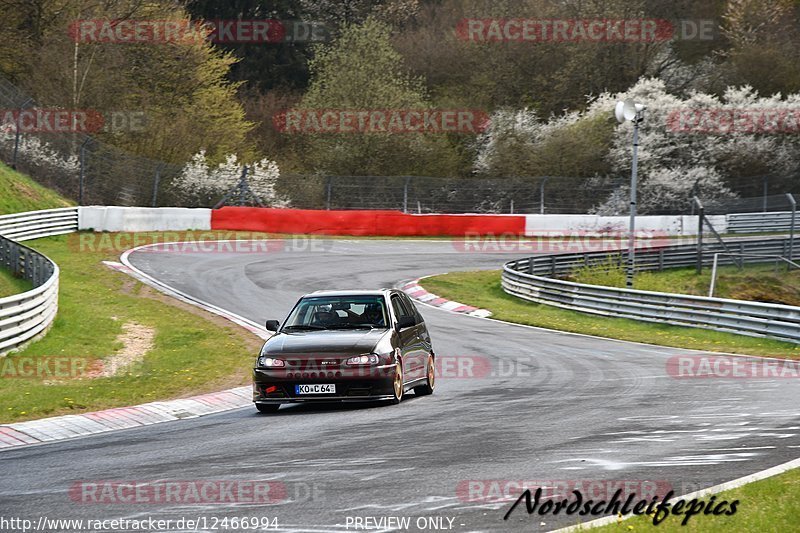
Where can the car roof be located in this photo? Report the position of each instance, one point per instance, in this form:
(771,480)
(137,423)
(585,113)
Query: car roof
(356,292)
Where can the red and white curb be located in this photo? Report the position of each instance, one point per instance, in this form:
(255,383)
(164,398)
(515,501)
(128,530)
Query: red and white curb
(72,426)
(417,292)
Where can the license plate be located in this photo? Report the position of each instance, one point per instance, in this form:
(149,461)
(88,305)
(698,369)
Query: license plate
(315,388)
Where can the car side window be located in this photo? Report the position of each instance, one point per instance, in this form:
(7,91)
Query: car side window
(397,307)
(412,308)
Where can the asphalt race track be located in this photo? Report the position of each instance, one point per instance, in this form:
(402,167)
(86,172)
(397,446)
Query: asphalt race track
(552,407)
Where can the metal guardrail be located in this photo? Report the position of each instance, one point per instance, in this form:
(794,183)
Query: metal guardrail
(760,222)
(528,279)
(24,316)
(36,224)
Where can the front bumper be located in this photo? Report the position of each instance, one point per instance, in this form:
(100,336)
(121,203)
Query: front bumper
(276,386)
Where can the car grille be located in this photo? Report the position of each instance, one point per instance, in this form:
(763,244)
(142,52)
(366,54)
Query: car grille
(315,364)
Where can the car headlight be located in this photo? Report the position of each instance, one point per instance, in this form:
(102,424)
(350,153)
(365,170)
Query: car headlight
(362,360)
(271,362)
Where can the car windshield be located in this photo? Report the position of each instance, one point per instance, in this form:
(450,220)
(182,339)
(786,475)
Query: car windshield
(337,312)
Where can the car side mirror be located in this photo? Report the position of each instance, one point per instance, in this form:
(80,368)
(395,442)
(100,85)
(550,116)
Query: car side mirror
(406,322)
(273,325)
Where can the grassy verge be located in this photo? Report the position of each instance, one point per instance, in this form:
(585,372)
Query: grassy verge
(758,283)
(20,193)
(482,289)
(9,285)
(766,505)
(191,351)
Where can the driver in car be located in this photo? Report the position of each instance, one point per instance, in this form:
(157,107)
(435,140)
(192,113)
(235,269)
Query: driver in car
(372,315)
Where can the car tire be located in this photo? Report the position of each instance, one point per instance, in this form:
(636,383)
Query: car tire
(398,386)
(268,408)
(425,390)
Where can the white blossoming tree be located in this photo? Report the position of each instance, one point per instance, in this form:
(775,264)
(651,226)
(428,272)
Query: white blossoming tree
(34,152)
(674,163)
(200,182)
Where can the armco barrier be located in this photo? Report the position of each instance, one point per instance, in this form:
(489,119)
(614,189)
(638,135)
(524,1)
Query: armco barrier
(527,279)
(596,225)
(35,224)
(384,223)
(760,222)
(24,316)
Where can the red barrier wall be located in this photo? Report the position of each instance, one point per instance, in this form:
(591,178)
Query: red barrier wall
(389,223)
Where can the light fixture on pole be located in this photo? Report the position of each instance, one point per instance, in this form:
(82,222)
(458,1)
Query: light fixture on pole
(625,111)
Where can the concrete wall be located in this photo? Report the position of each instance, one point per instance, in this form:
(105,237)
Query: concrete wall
(100,218)
(596,226)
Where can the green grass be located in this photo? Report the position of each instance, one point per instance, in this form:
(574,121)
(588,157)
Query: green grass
(192,354)
(759,283)
(766,505)
(20,193)
(9,285)
(482,289)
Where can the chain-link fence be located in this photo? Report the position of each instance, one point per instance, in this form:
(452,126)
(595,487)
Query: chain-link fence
(424,194)
(758,204)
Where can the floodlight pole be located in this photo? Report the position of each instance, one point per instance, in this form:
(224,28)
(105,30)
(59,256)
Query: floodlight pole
(632,234)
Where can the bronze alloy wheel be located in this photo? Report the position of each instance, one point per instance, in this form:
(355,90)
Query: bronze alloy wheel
(398,381)
(424,390)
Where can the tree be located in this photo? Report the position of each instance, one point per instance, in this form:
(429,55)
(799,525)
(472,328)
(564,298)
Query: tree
(200,183)
(361,71)
(763,37)
(685,149)
(180,88)
(262,66)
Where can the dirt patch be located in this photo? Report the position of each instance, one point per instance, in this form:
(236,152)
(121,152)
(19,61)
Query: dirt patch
(136,341)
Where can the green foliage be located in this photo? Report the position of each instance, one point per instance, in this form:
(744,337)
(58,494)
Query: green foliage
(181,88)
(361,70)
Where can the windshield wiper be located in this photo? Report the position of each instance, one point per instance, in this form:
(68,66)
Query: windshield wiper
(351,326)
(303,327)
